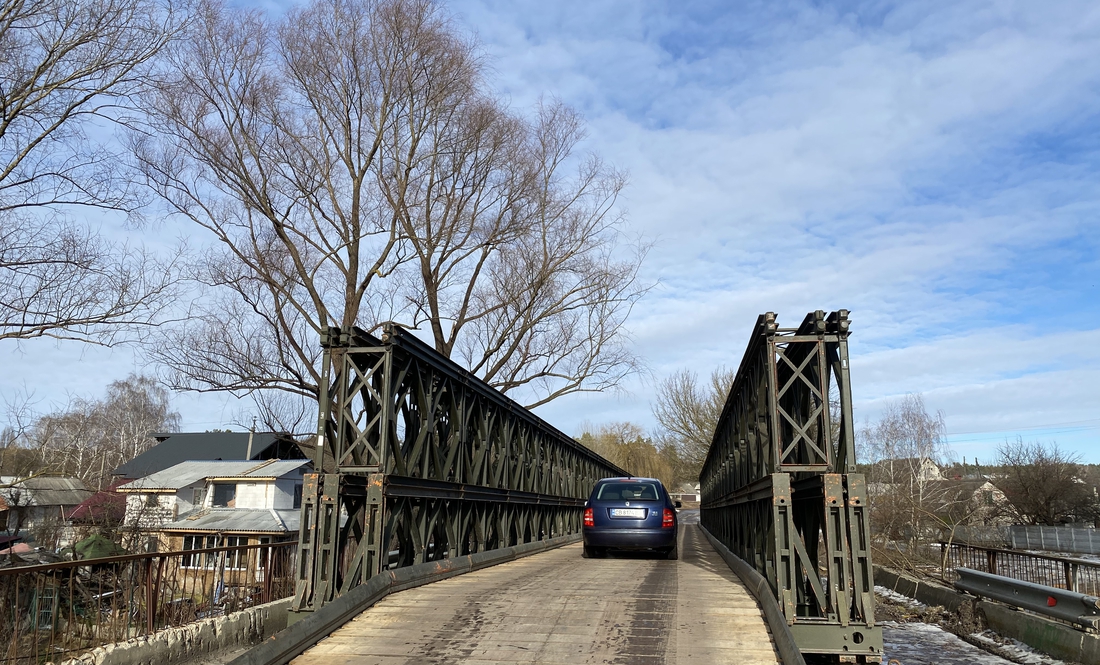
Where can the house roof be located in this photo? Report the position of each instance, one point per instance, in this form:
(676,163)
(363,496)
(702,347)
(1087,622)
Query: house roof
(193,471)
(104,507)
(175,448)
(958,489)
(237,520)
(44,491)
(267,469)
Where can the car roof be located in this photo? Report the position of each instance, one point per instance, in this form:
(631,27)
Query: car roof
(628,479)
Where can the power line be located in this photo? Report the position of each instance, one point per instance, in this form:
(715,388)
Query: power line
(1073,425)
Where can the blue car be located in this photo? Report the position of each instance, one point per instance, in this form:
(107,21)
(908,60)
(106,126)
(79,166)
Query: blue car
(630,514)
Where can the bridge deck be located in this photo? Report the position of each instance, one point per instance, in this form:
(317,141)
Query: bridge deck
(559,608)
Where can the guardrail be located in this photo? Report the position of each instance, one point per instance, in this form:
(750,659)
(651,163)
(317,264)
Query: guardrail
(1069,606)
(1077,575)
(56,611)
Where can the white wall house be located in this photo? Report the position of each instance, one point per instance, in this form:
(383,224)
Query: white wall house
(198,504)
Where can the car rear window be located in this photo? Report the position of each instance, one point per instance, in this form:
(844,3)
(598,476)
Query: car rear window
(627,492)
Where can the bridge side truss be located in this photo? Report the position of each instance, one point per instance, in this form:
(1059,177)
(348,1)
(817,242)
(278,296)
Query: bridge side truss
(417,460)
(779,486)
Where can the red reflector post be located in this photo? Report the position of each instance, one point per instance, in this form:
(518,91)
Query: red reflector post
(1051,601)
(668,521)
(589,519)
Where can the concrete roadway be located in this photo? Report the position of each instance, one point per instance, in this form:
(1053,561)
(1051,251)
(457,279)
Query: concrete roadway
(556,607)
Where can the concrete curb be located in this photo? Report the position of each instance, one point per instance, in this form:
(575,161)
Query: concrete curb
(283,646)
(1050,637)
(758,587)
(198,638)
(926,592)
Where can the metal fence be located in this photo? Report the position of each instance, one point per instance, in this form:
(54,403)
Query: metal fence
(1055,539)
(52,612)
(1054,571)
(1077,540)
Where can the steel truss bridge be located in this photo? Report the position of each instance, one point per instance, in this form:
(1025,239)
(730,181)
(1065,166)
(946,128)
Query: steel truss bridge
(779,487)
(420,458)
(424,471)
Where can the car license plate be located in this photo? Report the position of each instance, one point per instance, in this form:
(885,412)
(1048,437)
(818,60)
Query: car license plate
(636,513)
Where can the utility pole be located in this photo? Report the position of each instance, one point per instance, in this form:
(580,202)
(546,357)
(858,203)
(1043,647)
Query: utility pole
(251,433)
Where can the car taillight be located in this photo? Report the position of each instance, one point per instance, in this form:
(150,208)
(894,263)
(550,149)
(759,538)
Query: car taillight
(589,519)
(668,521)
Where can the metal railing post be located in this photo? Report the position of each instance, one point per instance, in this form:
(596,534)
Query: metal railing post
(149,596)
(1070,569)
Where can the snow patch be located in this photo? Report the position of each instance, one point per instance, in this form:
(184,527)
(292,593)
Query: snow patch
(1018,651)
(895,597)
(927,644)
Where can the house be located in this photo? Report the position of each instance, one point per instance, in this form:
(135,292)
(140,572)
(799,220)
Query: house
(686,494)
(39,506)
(171,449)
(103,511)
(904,469)
(970,502)
(199,504)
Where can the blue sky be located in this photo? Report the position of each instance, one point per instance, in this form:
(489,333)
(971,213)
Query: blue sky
(933,167)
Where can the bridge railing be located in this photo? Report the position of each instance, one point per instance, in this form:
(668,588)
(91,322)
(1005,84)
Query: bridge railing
(418,457)
(1078,575)
(779,484)
(52,612)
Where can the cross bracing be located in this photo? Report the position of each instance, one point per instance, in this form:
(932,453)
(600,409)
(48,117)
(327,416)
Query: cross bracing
(418,460)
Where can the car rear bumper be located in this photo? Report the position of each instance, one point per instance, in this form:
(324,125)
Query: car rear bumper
(630,539)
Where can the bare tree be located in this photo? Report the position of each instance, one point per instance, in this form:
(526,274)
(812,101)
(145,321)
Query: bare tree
(90,438)
(906,448)
(1044,484)
(625,445)
(61,280)
(354,168)
(689,411)
(66,67)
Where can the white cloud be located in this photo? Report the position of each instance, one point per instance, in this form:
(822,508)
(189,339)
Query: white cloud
(878,167)
(922,164)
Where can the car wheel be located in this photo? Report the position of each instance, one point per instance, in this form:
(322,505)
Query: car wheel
(590,552)
(673,554)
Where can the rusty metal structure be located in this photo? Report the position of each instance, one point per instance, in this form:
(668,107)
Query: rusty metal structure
(56,611)
(1078,575)
(418,460)
(780,488)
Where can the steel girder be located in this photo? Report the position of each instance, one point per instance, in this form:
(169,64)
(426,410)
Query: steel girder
(779,487)
(418,460)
